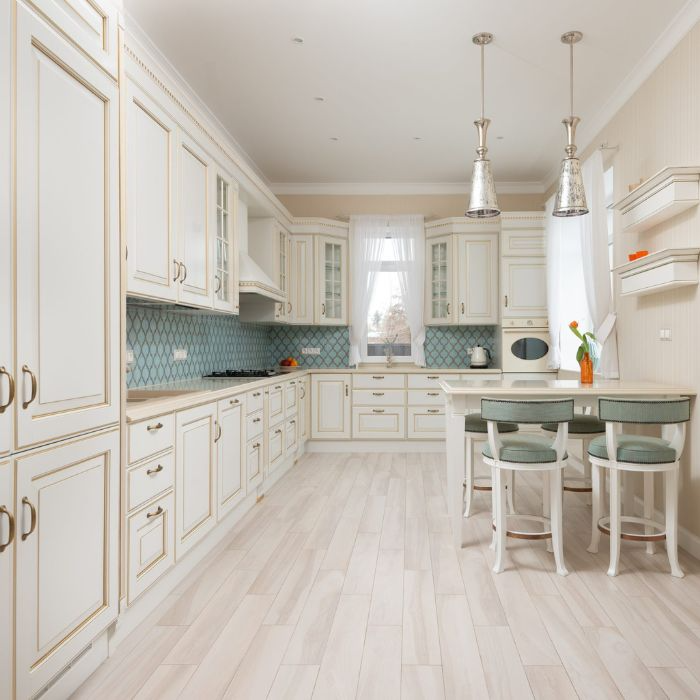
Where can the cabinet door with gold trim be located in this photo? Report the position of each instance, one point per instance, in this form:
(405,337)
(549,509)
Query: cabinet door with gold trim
(7,540)
(67,512)
(67,308)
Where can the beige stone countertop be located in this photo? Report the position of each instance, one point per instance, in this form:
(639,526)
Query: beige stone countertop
(157,399)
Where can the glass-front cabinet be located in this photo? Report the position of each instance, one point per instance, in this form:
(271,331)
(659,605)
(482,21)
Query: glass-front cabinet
(332,276)
(439,299)
(225,264)
(282,265)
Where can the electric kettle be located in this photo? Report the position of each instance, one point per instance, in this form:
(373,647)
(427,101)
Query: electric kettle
(479,357)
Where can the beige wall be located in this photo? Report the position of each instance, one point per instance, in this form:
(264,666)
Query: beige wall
(432,206)
(658,127)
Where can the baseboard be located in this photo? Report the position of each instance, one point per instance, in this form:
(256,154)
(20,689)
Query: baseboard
(375,446)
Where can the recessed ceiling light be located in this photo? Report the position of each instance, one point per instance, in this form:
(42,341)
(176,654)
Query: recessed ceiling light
(417,138)
(320,99)
(500,138)
(334,138)
(298,39)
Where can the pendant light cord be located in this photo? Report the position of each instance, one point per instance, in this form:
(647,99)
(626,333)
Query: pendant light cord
(571,78)
(482,81)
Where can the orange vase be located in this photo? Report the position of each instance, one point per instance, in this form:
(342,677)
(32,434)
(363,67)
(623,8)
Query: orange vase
(586,365)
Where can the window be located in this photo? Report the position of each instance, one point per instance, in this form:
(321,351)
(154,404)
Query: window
(388,332)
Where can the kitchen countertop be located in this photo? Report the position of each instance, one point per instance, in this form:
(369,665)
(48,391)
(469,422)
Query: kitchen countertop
(175,396)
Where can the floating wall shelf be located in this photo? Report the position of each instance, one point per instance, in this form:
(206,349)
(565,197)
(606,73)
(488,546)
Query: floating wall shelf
(659,272)
(669,192)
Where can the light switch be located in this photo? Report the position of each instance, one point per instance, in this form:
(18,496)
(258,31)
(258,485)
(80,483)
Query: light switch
(311,351)
(179,354)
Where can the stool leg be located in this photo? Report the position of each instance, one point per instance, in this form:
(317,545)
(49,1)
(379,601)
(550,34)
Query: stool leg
(469,477)
(499,485)
(627,494)
(597,509)
(546,503)
(586,469)
(494,495)
(671,488)
(556,501)
(615,513)
(510,491)
(649,507)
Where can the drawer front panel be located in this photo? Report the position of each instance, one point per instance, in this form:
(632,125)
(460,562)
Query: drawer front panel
(378,397)
(275,403)
(148,437)
(254,425)
(379,381)
(149,479)
(426,423)
(383,423)
(290,436)
(254,401)
(429,381)
(426,397)
(151,533)
(275,446)
(254,462)
(291,391)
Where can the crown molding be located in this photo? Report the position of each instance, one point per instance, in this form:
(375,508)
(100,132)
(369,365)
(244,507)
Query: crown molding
(397,188)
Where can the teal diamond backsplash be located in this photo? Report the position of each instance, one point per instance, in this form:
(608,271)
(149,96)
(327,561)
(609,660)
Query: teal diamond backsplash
(446,346)
(334,343)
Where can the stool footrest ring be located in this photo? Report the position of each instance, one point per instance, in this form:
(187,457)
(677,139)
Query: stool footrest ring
(604,527)
(570,484)
(525,534)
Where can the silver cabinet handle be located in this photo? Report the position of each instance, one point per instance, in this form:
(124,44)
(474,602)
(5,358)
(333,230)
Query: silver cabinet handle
(218,284)
(26,370)
(377,393)
(278,431)
(183,267)
(433,376)
(32,515)
(11,532)
(433,410)
(218,431)
(378,377)
(256,420)
(256,445)
(256,394)
(156,470)
(448,308)
(289,307)
(11,383)
(433,393)
(155,513)
(323,309)
(155,427)
(506,301)
(377,410)
(177,270)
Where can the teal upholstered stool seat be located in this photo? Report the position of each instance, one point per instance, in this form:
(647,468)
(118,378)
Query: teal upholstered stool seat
(638,449)
(527,449)
(474,423)
(580,425)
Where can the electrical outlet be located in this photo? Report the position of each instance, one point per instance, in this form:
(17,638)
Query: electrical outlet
(129,356)
(664,334)
(179,354)
(311,351)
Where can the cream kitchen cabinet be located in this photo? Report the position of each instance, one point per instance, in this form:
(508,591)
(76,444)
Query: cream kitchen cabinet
(195,475)
(374,423)
(254,462)
(268,245)
(439,295)
(67,554)
(231,454)
(275,396)
(332,281)
(275,448)
(7,545)
(225,254)
(330,406)
(67,214)
(523,287)
(304,409)
(301,280)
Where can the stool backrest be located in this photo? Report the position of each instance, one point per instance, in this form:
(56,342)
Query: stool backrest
(528,410)
(648,411)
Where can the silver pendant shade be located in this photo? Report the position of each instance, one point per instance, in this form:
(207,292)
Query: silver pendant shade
(571,195)
(483,203)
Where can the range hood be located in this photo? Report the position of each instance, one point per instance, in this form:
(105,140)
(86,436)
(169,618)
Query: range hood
(253,280)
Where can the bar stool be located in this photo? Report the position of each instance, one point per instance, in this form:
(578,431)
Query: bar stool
(585,428)
(475,430)
(638,453)
(528,453)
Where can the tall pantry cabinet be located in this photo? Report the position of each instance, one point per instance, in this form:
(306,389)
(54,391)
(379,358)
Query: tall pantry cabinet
(59,375)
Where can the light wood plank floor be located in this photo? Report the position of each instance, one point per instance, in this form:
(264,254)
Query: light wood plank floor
(343,583)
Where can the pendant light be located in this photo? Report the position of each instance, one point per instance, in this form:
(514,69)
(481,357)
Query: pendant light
(571,195)
(482,202)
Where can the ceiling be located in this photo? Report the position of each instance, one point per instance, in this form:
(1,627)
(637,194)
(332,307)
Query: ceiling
(393,70)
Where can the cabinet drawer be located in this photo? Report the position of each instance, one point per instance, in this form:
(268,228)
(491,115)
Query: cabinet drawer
(254,462)
(378,397)
(426,397)
(254,401)
(426,423)
(148,437)
(382,423)
(379,381)
(275,446)
(151,533)
(149,479)
(275,403)
(428,381)
(254,425)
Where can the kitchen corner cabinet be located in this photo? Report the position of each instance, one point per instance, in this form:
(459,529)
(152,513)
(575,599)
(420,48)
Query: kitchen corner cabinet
(67,554)
(230,454)
(332,276)
(330,402)
(225,243)
(195,475)
(301,280)
(67,256)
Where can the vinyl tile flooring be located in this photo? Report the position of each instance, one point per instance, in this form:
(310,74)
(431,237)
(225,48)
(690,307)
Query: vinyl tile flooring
(343,583)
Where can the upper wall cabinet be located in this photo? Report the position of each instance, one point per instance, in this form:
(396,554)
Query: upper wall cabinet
(225,243)
(268,246)
(461,273)
(67,258)
(332,276)
(301,279)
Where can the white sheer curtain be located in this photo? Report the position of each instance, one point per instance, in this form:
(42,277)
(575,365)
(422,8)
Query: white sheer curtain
(409,241)
(366,239)
(578,290)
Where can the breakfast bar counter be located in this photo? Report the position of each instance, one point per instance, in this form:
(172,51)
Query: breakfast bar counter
(463,397)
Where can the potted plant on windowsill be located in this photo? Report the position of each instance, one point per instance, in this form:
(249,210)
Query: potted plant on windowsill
(584,354)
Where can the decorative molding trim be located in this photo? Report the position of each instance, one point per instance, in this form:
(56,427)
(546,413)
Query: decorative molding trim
(398,188)
(331,227)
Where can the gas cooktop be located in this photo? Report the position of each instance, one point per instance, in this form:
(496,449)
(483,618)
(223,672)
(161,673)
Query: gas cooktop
(243,373)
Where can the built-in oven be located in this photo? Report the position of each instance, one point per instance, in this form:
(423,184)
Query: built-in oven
(525,345)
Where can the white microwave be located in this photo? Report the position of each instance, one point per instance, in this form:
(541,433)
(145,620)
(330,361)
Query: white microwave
(525,345)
